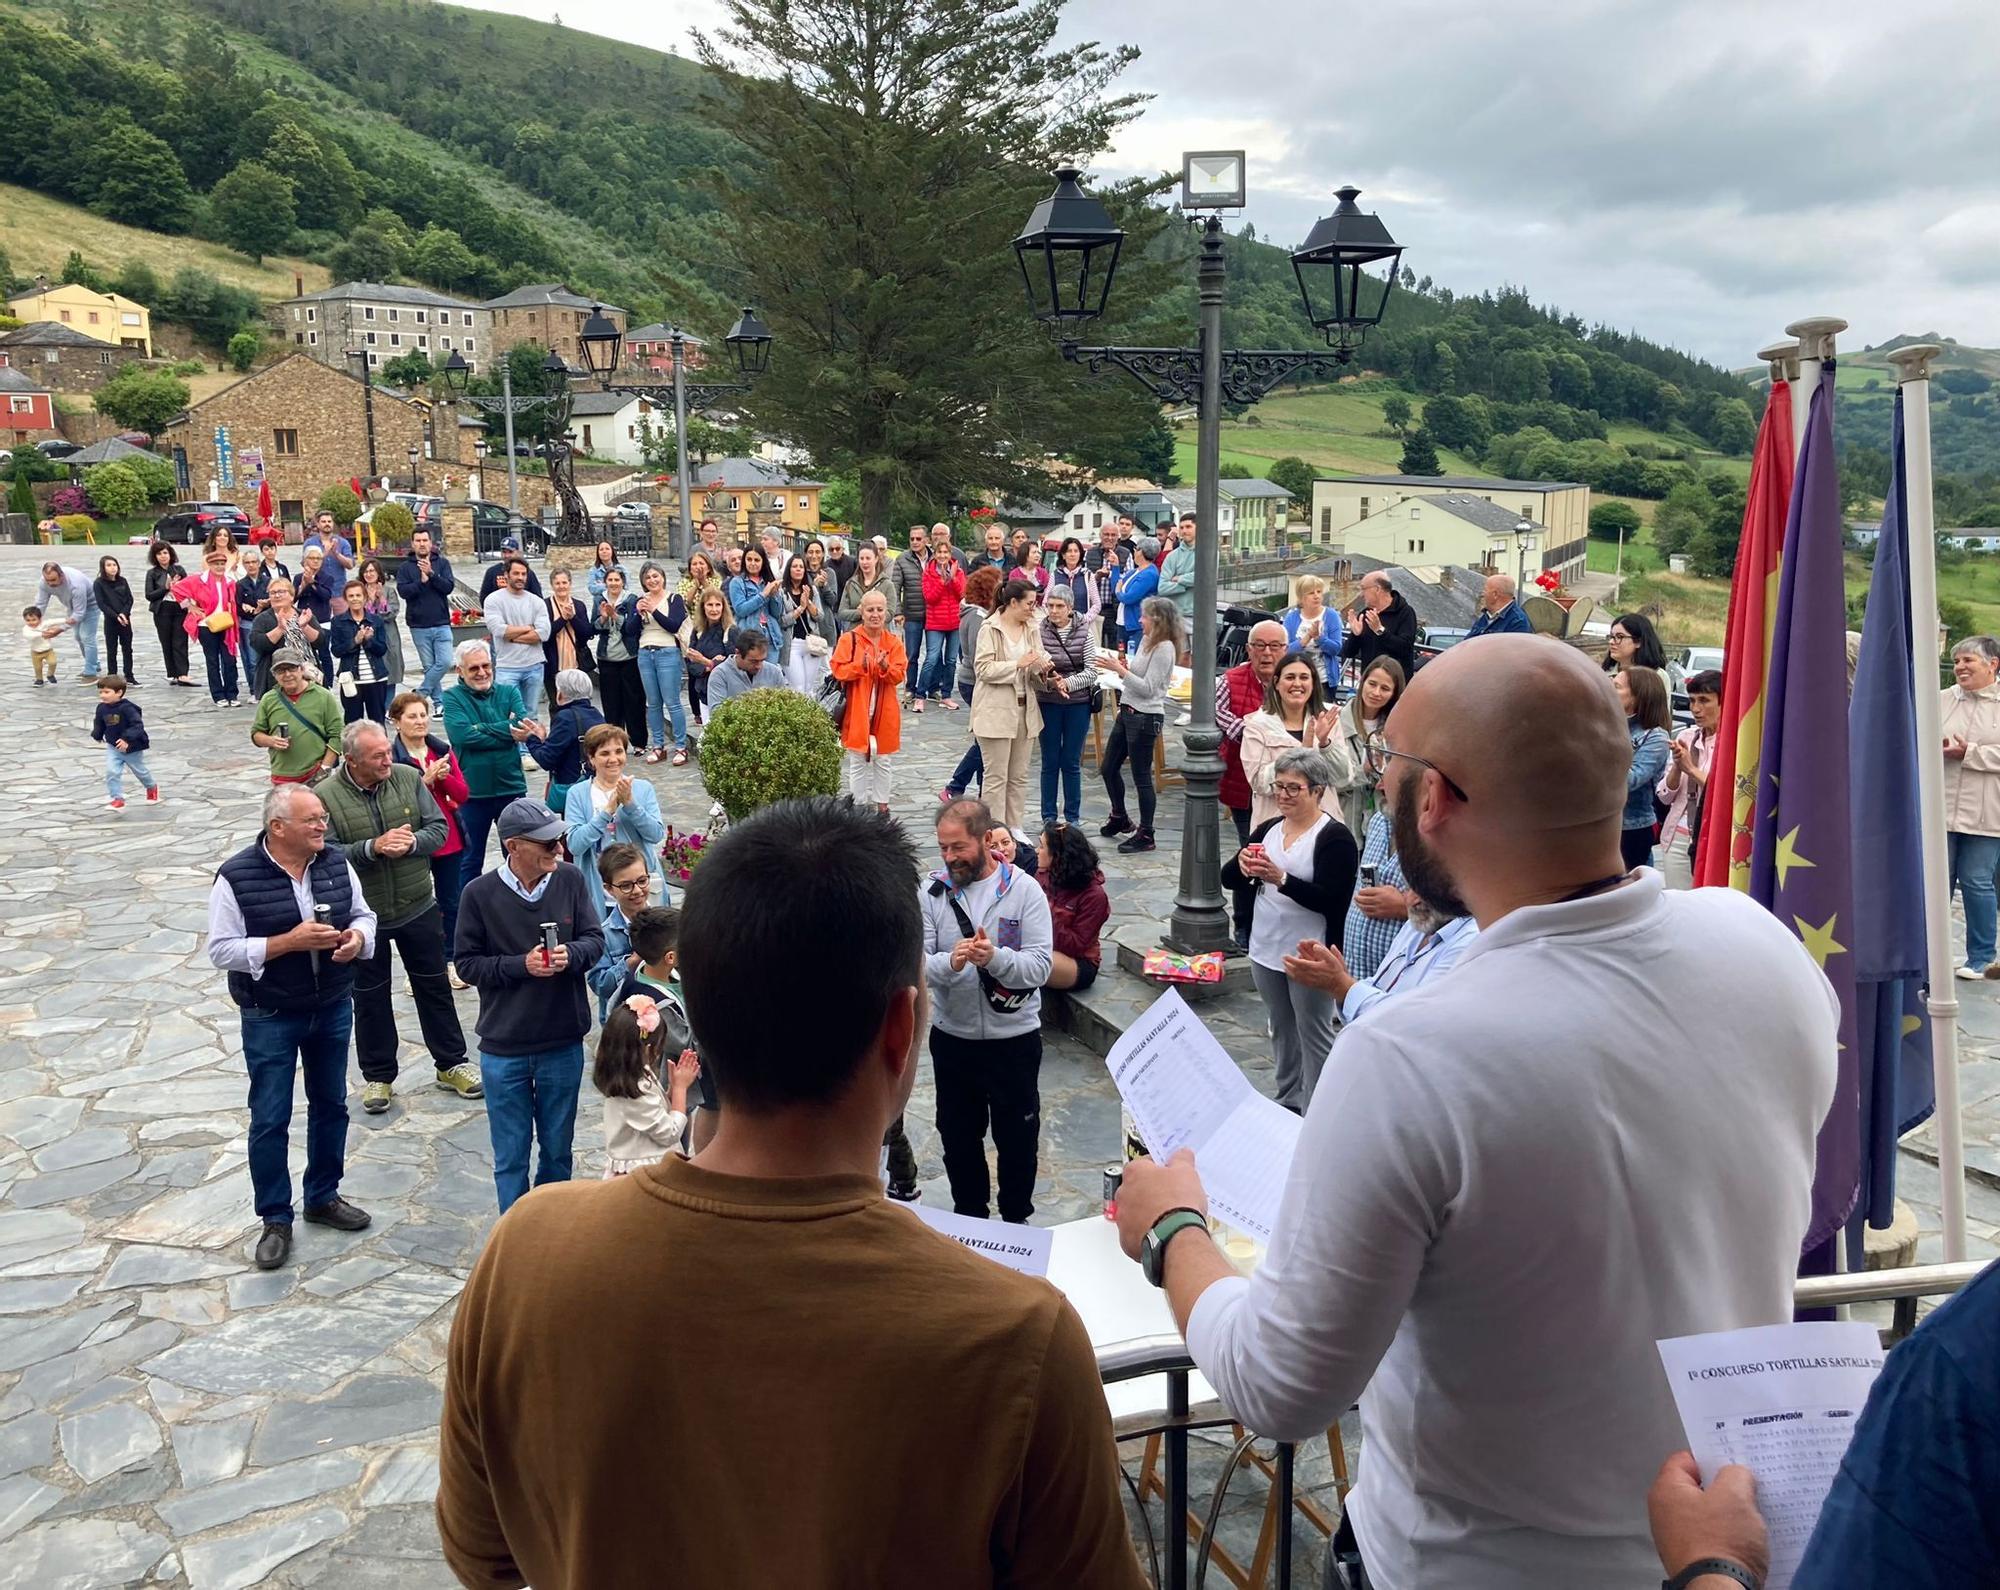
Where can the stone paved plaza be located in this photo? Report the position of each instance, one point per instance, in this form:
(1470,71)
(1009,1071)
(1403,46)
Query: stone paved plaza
(168,1414)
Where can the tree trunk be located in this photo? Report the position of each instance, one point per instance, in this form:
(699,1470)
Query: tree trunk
(874,504)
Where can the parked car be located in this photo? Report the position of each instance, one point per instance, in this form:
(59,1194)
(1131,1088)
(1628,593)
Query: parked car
(56,447)
(1683,664)
(1434,638)
(635,509)
(188,524)
(494,522)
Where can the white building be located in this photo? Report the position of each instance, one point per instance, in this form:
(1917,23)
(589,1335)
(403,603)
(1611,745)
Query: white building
(1458,529)
(384,321)
(607,424)
(1562,506)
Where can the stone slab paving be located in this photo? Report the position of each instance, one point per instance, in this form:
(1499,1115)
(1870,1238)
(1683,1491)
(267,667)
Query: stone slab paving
(168,1414)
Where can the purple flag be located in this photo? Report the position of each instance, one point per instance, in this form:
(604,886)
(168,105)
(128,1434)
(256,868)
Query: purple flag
(1893,1063)
(1801,866)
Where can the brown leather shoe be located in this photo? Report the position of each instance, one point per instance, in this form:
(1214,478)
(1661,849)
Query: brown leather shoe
(274,1246)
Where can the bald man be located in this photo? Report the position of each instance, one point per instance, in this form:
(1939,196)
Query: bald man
(1507,1188)
(1499,613)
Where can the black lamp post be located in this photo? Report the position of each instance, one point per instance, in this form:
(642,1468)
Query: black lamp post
(416,480)
(457,373)
(1068,253)
(749,341)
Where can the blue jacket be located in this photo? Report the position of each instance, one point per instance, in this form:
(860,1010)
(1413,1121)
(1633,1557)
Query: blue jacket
(1510,620)
(120,720)
(426,603)
(637,823)
(1649,761)
(562,752)
(1132,588)
(748,602)
(345,645)
(1331,633)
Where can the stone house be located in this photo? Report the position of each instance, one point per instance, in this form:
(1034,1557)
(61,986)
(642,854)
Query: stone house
(382,320)
(546,313)
(63,359)
(304,426)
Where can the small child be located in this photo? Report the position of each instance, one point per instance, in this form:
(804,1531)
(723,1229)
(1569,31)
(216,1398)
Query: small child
(641,1122)
(123,731)
(40,647)
(655,935)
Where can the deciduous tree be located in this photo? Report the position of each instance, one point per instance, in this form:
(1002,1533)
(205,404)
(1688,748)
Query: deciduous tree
(254,210)
(141,399)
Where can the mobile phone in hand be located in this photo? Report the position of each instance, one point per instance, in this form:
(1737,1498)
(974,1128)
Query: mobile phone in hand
(1368,874)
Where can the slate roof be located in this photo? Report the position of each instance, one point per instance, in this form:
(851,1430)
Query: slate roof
(109,451)
(743,474)
(1251,488)
(49,334)
(594,405)
(1460,482)
(539,295)
(382,293)
(660,331)
(1488,516)
(12,380)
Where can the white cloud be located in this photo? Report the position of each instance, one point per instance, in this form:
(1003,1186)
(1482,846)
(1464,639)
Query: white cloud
(1701,171)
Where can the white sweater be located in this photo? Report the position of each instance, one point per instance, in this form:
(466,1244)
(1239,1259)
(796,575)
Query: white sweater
(503,610)
(639,1131)
(1598,1131)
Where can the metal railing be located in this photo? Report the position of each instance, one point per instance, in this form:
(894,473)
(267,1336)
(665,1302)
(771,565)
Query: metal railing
(1144,1356)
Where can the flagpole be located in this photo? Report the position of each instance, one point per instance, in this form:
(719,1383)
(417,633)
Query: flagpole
(1815,336)
(1913,376)
(1783,360)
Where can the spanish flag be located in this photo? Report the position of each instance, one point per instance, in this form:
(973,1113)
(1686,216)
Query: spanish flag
(1753,616)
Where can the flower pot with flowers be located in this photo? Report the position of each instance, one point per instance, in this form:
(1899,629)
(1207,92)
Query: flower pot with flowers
(681,853)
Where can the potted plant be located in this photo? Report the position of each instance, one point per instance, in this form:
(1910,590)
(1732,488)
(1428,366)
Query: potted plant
(769,745)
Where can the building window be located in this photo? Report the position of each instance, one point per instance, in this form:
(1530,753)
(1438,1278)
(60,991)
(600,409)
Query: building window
(295,314)
(423,342)
(291,510)
(420,317)
(1364,507)
(285,443)
(1326,521)
(369,337)
(299,337)
(586,438)
(21,405)
(531,317)
(778,503)
(367,311)
(1527,510)
(1097,521)
(468,317)
(373,358)
(65,315)
(311,316)
(93,317)
(105,360)
(395,339)
(1076,521)
(392,314)
(312,338)
(128,318)
(1415,512)
(51,356)
(468,345)
(444,344)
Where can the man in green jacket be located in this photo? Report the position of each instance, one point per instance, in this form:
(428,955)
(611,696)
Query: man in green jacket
(298,721)
(390,826)
(487,726)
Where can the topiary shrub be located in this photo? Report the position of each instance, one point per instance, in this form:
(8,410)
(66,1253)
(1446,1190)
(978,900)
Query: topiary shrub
(341,502)
(769,745)
(391,525)
(76,526)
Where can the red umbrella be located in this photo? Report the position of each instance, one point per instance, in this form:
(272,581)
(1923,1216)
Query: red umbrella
(264,500)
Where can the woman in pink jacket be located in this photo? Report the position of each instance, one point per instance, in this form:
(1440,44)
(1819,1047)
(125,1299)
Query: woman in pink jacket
(210,600)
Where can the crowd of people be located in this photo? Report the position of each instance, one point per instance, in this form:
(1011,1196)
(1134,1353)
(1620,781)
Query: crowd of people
(1393,837)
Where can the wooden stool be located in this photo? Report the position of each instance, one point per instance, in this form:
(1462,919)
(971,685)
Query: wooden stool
(1894,1249)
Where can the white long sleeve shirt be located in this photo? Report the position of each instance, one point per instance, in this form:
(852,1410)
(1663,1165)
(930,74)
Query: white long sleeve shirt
(230,951)
(1598,1131)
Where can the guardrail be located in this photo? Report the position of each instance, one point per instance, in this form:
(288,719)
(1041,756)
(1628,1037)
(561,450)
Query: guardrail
(1145,1356)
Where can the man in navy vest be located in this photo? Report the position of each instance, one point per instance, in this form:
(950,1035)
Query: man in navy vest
(287,921)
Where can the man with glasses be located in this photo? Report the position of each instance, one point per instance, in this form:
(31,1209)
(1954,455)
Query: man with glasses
(1383,626)
(287,921)
(906,589)
(1427,946)
(528,935)
(487,726)
(1240,691)
(1501,1199)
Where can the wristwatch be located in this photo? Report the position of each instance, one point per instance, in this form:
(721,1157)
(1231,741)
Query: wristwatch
(1712,1565)
(1153,1251)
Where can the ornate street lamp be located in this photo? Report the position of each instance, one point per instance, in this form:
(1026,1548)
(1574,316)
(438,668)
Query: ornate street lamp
(457,373)
(1068,253)
(750,340)
(1342,299)
(415,453)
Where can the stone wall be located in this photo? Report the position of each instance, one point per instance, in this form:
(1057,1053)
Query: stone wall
(74,370)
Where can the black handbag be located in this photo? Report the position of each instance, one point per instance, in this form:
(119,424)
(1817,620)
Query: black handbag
(1004,1001)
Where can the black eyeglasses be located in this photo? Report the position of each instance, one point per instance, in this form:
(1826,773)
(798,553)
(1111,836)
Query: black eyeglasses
(1379,749)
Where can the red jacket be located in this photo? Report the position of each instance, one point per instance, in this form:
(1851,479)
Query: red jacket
(1237,696)
(1078,916)
(941,596)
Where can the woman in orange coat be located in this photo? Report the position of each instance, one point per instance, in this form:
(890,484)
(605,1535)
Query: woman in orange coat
(870,662)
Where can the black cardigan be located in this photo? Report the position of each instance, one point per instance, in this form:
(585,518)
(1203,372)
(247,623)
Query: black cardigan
(1336,864)
(1398,639)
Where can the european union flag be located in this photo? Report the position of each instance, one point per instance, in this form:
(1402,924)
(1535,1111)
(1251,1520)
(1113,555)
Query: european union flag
(1893,1059)
(1802,843)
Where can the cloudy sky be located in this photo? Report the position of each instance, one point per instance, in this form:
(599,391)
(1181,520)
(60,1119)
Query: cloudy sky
(1701,171)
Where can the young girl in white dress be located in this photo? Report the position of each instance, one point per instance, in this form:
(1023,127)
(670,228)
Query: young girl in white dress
(643,1120)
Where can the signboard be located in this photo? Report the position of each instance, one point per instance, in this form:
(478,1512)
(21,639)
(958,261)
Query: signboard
(225,456)
(252,460)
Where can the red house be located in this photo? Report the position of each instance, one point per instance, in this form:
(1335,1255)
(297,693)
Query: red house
(27,413)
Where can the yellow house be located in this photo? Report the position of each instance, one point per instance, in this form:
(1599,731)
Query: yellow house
(105,316)
(745,495)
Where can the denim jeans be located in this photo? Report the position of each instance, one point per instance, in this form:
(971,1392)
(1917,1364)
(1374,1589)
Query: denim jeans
(1973,859)
(275,1045)
(115,763)
(913,649)
(972,765)
(448,879)
(526,680)
(1131,739)
(87,623)
(940,673)
(433,644)
(530,1096)
(475,821)
(660,672)
(221,663)
(1065,728)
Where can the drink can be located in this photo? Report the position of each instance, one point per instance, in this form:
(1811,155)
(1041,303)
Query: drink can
(1114,1178)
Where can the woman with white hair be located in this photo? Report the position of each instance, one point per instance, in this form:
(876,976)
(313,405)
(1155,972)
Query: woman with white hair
(1970,714)
(560,751)
(1303,864)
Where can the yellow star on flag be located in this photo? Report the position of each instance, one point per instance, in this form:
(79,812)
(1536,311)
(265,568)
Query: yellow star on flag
(1911,1024)
(1819,941)
(1788,856)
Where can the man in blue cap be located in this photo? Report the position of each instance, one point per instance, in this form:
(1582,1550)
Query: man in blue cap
(528,932)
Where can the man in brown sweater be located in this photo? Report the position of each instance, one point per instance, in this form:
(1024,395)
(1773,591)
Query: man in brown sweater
(752,1369)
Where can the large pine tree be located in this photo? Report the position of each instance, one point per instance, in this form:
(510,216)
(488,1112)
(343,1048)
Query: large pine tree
(898,146)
